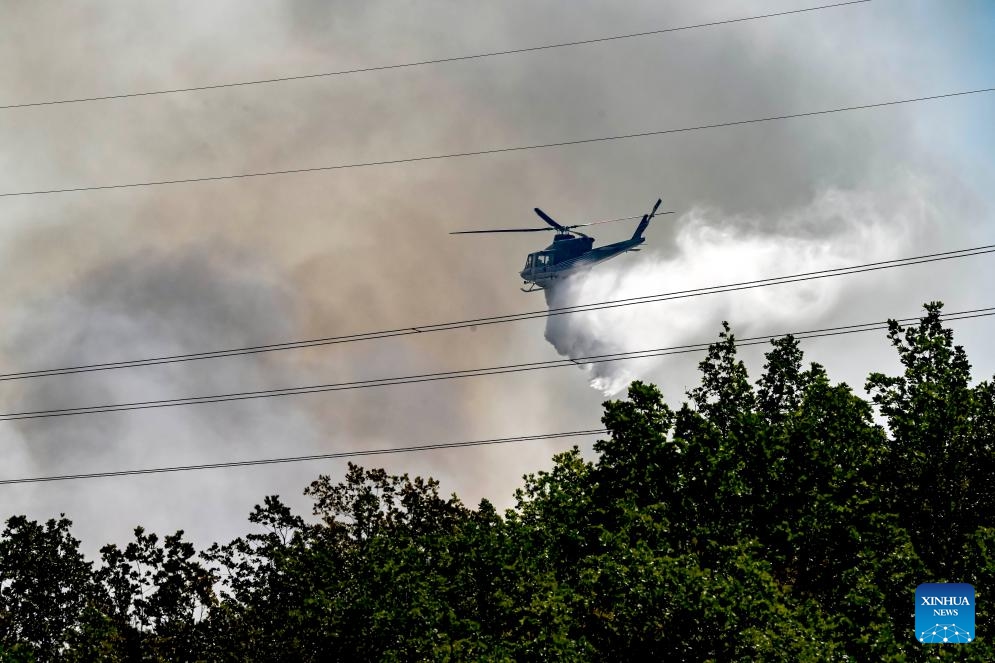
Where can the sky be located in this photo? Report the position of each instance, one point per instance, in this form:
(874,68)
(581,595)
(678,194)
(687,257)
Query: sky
(119,274)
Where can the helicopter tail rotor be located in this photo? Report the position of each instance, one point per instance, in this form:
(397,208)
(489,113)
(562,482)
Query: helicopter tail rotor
(646,220)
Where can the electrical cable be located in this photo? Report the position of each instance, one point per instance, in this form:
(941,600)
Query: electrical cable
(421,63)
(466,373)
(298,459)
(497,150)
(512,317)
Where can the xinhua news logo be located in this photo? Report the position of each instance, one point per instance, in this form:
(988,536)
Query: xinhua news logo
(945,613)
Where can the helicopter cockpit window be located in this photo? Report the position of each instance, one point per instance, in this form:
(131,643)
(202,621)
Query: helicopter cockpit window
(542,260)
(528,261)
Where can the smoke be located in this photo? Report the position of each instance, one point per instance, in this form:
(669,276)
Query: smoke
(838,228)
(139,272)
(151,304)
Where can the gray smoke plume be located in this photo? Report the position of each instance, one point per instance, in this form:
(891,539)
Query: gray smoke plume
(124,273)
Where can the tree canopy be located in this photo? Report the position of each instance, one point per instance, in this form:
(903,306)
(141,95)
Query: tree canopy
(775,520)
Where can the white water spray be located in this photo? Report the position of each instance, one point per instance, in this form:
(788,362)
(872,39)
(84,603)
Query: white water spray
(837,229)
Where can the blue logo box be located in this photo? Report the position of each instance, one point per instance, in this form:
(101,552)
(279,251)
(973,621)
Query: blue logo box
(945,613)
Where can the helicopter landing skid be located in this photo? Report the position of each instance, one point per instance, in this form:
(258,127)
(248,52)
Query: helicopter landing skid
(532,288)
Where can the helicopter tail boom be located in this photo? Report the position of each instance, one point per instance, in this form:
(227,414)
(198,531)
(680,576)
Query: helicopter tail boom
(641,227)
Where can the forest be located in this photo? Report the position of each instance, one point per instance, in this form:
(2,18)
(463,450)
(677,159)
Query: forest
(786,518)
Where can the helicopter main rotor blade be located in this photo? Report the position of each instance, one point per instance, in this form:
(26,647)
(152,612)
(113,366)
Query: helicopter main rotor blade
(624,218)
(548,219)
(559,227)
(501,230)
(597,223)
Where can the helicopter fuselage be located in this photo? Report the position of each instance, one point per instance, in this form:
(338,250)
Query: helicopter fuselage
(567,255)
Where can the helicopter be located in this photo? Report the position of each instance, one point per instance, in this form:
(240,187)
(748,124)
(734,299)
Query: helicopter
(571,250)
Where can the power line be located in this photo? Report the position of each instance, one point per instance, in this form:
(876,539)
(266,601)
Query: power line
(466,373)
(299,459)
(497,150)
(421,63)
(512,317)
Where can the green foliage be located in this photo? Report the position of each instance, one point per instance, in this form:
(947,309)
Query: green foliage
(152,595)
(725,393)
(936,459)
(16,654)
(775,522)
(45,585)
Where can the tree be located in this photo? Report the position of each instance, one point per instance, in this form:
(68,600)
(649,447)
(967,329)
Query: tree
(45,587)
(938,466)
(154,594)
